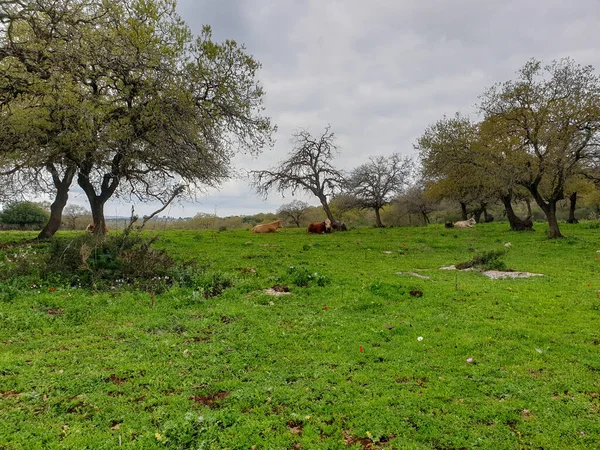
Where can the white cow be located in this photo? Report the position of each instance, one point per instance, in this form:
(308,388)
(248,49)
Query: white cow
(465,223)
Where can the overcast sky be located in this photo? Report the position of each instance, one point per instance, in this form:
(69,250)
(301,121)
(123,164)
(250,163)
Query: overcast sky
(378,71)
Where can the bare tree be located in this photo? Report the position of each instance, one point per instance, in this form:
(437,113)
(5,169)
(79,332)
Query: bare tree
(415,201)
(375,183)
(72,213)
(293,211)
(308,168)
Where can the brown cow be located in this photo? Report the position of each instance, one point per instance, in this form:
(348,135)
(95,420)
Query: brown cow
(267,227)
(320,227)
(90,228)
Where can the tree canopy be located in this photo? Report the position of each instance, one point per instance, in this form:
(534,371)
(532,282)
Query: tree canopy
(553,112)
(131,103)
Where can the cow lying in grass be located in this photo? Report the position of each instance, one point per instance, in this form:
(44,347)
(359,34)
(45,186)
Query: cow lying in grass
(320,227)
(90,228)
(267,227)
(465,223)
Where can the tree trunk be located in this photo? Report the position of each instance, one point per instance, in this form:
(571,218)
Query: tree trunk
(529,212)
(477,215)
(553,230)
(326,207)
(549,209)
(62,186)
(425,218)
(109,185)
(97,205)
(378,222)
(463,210)
(487,218)
(516,223)
(572,206)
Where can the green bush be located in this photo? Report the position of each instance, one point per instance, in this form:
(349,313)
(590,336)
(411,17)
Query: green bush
(489,260)
(119,258)
(24,214)
(303,277)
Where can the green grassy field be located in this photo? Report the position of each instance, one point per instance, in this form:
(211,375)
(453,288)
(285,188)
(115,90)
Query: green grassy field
(336,364)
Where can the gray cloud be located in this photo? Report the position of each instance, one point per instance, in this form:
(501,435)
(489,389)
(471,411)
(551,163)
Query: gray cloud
(381,71)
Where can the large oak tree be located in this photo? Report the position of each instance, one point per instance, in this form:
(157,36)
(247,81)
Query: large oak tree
(554,113)
(146,106)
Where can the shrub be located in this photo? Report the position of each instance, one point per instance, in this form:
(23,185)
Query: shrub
(213,284)
(24,214)
(123,257)
(489,260)
(301,276)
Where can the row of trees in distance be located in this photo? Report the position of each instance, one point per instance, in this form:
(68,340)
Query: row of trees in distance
(538,140)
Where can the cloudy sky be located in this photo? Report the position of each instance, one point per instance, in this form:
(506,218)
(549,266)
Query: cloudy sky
(379,71)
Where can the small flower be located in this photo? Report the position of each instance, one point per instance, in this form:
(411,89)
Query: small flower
(369,435)
(420,338)
(158,436)
(469,360)
(360,349)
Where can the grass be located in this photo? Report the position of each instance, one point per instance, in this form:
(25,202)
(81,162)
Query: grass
(84,369)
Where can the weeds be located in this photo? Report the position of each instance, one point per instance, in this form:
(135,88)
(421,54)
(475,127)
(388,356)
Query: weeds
(489,260)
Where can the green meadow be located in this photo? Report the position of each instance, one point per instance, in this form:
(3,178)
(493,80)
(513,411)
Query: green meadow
(349,358)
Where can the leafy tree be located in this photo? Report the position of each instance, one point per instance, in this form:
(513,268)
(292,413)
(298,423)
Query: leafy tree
(375,183)
(24,214)
(447,152)
(499,155)
(554,112)
(293,211)
(309,168)
(146,105)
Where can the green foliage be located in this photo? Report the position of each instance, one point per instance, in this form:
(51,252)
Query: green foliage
(489,260)
(499,365)
(24,214)
(119,258)
(212,284)
(301,276)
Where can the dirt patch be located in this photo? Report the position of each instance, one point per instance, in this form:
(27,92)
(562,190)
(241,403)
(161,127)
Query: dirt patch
(350,440)
(413,274)
(278,290)
(116,380)
(416,293)
(295,427)
(497,274)
(210,400)
(365,443)
(453,267)
(11,394)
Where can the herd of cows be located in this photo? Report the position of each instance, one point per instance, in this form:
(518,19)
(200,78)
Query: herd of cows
(328,226)
(315,228)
